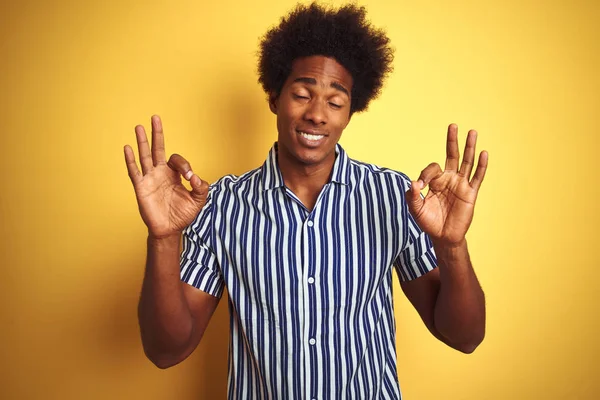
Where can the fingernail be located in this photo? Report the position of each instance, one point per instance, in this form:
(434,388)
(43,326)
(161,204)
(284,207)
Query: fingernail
(421,183)
(188,175)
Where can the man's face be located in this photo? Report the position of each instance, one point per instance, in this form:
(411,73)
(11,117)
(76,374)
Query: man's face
(312,110)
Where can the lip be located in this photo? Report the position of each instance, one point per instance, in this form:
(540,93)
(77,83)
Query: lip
(312,132)
(312,144)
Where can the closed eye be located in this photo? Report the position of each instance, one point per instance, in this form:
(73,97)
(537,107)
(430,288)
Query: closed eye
(336,106)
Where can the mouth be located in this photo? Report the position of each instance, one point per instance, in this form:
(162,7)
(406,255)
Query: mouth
(311,138)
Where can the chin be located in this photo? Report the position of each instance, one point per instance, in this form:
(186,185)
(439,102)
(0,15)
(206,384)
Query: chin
(307,156)
(310,156)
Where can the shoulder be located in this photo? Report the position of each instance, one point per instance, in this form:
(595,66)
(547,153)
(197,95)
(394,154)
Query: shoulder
(232,185)
(372,172)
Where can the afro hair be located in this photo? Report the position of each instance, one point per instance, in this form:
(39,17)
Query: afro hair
(343,34)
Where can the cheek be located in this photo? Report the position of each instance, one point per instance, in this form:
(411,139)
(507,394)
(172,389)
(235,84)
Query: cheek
(284,124)
(340,124)
(282,120)
(289,115)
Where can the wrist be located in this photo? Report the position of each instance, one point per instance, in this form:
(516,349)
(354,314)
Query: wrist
(445,250)
(161,242)
(449,244)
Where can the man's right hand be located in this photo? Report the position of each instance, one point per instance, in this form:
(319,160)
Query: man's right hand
(166,206)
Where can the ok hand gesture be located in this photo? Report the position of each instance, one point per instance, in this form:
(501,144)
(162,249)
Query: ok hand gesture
(166,206)
(447,210)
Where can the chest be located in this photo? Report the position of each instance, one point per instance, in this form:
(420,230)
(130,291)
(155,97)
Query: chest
(273,251)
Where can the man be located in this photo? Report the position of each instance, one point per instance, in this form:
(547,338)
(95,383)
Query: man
(305,244)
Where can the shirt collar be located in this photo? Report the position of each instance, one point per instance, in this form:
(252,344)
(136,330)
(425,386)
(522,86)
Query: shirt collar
(272,178)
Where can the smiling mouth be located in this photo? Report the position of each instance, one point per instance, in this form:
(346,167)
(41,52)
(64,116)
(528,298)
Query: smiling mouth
(310,136)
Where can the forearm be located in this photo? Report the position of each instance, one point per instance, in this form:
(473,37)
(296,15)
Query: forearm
(165,319)
(460,307)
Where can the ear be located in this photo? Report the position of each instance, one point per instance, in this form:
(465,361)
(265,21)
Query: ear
(273,102)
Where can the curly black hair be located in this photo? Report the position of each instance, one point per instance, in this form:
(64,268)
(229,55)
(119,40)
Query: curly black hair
(343,34)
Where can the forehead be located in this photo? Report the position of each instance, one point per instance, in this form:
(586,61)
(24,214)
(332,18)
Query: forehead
(323,69)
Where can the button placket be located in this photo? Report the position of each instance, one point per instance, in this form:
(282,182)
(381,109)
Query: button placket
(310,232)
(308,289)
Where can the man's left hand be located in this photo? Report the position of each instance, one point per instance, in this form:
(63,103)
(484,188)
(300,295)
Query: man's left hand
(445,214)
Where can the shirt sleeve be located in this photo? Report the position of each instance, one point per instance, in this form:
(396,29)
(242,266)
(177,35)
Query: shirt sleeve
(199,266)
(418,256)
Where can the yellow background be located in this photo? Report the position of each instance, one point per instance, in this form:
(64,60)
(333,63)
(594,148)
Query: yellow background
(76,77)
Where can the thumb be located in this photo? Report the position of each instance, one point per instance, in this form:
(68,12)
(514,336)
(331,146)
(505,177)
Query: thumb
(199,190)
(413,197)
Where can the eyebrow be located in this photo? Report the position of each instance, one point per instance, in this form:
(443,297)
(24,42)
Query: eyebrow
(313,81)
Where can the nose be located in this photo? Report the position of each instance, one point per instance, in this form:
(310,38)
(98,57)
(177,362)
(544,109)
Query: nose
(316,112)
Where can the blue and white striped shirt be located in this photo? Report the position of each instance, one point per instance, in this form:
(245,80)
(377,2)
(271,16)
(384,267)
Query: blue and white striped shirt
(310,292)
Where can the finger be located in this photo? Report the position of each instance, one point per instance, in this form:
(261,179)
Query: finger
(431,172)
(144,149)
(452,154)
(469,157)
(158,141)
(134,173)
(414,199)
(180,164)
(482,164)
(199,189)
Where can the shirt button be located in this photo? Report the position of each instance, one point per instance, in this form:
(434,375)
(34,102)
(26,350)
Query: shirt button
(312,341)
(311,280)
(310,223)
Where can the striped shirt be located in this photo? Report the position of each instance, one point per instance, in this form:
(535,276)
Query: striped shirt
(310,292)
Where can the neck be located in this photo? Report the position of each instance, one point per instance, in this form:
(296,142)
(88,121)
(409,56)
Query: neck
(305,180)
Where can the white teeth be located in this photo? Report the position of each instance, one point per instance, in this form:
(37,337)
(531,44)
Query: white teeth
(311,137)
